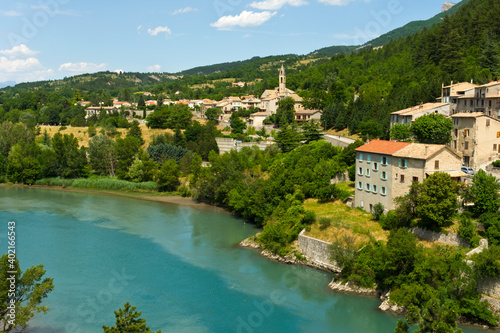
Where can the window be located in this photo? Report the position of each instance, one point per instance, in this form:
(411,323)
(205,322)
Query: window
(436,165)
(403,163)
(489,104)
(466,133)
(368,158)
(456,131)
(383,175)
(455,121)
(455,144)
(402,178)
(384,159)
(360,185)
(466,145)
(487,122)
(374,188)
(367,187)
(495,147)
(375,166)
(361,157)
(367,172)
(415,179)
(383,191)
(360,171)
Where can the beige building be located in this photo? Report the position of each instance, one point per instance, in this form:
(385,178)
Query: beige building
(307,115)
(477,137)
(408,116)
(386,169)
(270,98)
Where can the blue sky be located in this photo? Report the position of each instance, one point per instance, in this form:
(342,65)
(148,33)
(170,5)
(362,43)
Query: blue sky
(51,39)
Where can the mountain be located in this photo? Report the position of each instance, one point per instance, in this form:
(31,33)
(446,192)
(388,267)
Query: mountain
(7,84)
(404,31)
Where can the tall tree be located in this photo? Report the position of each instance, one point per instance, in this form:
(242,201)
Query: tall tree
(30,289)
(286,111)
(432,129)
(437,202)
(484,193)
(128,320)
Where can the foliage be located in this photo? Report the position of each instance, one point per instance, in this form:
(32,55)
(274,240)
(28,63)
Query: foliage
(128,320)
(496,163)
(167,178)
(437,202)
(70,159)
(466,229)
(324,222)
(401,132)
(170,116)
(163,152)
(378,210)
(432,128)
(486,263)
(104,183)
(102,155)
(288,138)
(311,131)
(309,217)
(343,252)
(484,193)
(213,114)
(238,126)
(491,223)
(285,115)
(31,287)
(135,131)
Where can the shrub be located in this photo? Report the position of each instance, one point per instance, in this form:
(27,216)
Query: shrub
(62,128)
(185,191)
(309,217)
(104,183)
(352,172)
(378,210)
(466,229)
(324,222)
(496,164)
(92,131)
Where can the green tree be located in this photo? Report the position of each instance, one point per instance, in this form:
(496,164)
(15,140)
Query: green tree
(238,126)
(433,129)
(311,131)
(168,176)
(484,193)
(70,159)
(126,149)
(286,112)
(401,132)
(135,131)
(437,202)
(128,320)
(30,289)
(370,129)
(288,138)
(213,114)
(102,155)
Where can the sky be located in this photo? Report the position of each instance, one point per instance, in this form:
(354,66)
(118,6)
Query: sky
(52,39)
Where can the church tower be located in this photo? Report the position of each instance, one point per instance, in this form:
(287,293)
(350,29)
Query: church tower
(282,85)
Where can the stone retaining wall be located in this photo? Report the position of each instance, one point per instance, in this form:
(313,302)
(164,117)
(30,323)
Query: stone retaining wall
(227,144)
(317,252)
(450,238)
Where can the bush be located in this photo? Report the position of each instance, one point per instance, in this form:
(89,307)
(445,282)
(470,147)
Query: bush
(324,222)
(352,172)
(466,229)
(91,131)
(309,217)
(185,191)
(62,128)
(486,264)
(378,210)
(491,223)
(496,164)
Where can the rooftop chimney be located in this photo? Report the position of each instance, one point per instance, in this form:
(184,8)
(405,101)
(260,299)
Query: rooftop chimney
(426,151)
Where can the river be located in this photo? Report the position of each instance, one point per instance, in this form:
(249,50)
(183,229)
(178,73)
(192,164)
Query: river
(179,265)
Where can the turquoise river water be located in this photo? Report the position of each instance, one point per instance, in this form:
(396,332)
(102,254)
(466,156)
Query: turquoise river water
(179,265)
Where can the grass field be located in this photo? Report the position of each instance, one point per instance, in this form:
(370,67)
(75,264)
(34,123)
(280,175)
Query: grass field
(83,138)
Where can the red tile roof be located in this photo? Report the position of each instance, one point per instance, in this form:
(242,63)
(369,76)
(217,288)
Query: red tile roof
(382,147)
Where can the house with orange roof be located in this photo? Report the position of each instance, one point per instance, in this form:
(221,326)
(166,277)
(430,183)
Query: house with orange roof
(386,169)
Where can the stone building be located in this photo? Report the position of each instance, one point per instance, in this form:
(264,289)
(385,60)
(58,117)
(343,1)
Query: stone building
(386,169)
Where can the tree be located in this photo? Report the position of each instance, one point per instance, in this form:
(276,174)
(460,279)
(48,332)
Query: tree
(70,159)
(213,114)
(311,132)
(401,132)
(125,149)
(128,320)
(432,129)
(370,129)
(286,112)
(484,193)
(168,176)
(134,131)
(288,138)
(30,289)
(437,201)
(102,155)
(237,125)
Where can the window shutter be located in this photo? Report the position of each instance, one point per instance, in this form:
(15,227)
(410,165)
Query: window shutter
(368,158)
(400,163)
(406,163)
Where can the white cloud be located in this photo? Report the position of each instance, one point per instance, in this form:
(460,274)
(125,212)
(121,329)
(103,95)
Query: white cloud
(20,51)
(10,13)
(276,4)
(119,71)
(245,19)
(82,67)
(139,28)
(23,70)
(184,10)
(157,30)
(154,68)
(339,2)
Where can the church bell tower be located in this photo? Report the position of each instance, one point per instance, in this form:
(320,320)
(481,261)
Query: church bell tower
(282,85)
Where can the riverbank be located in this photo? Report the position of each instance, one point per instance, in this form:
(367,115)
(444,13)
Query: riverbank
(149,196)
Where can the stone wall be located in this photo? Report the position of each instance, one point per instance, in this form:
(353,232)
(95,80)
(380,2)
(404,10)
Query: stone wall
(227,144)
(317,252)
(336,140)
(450,238)
(490,287)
